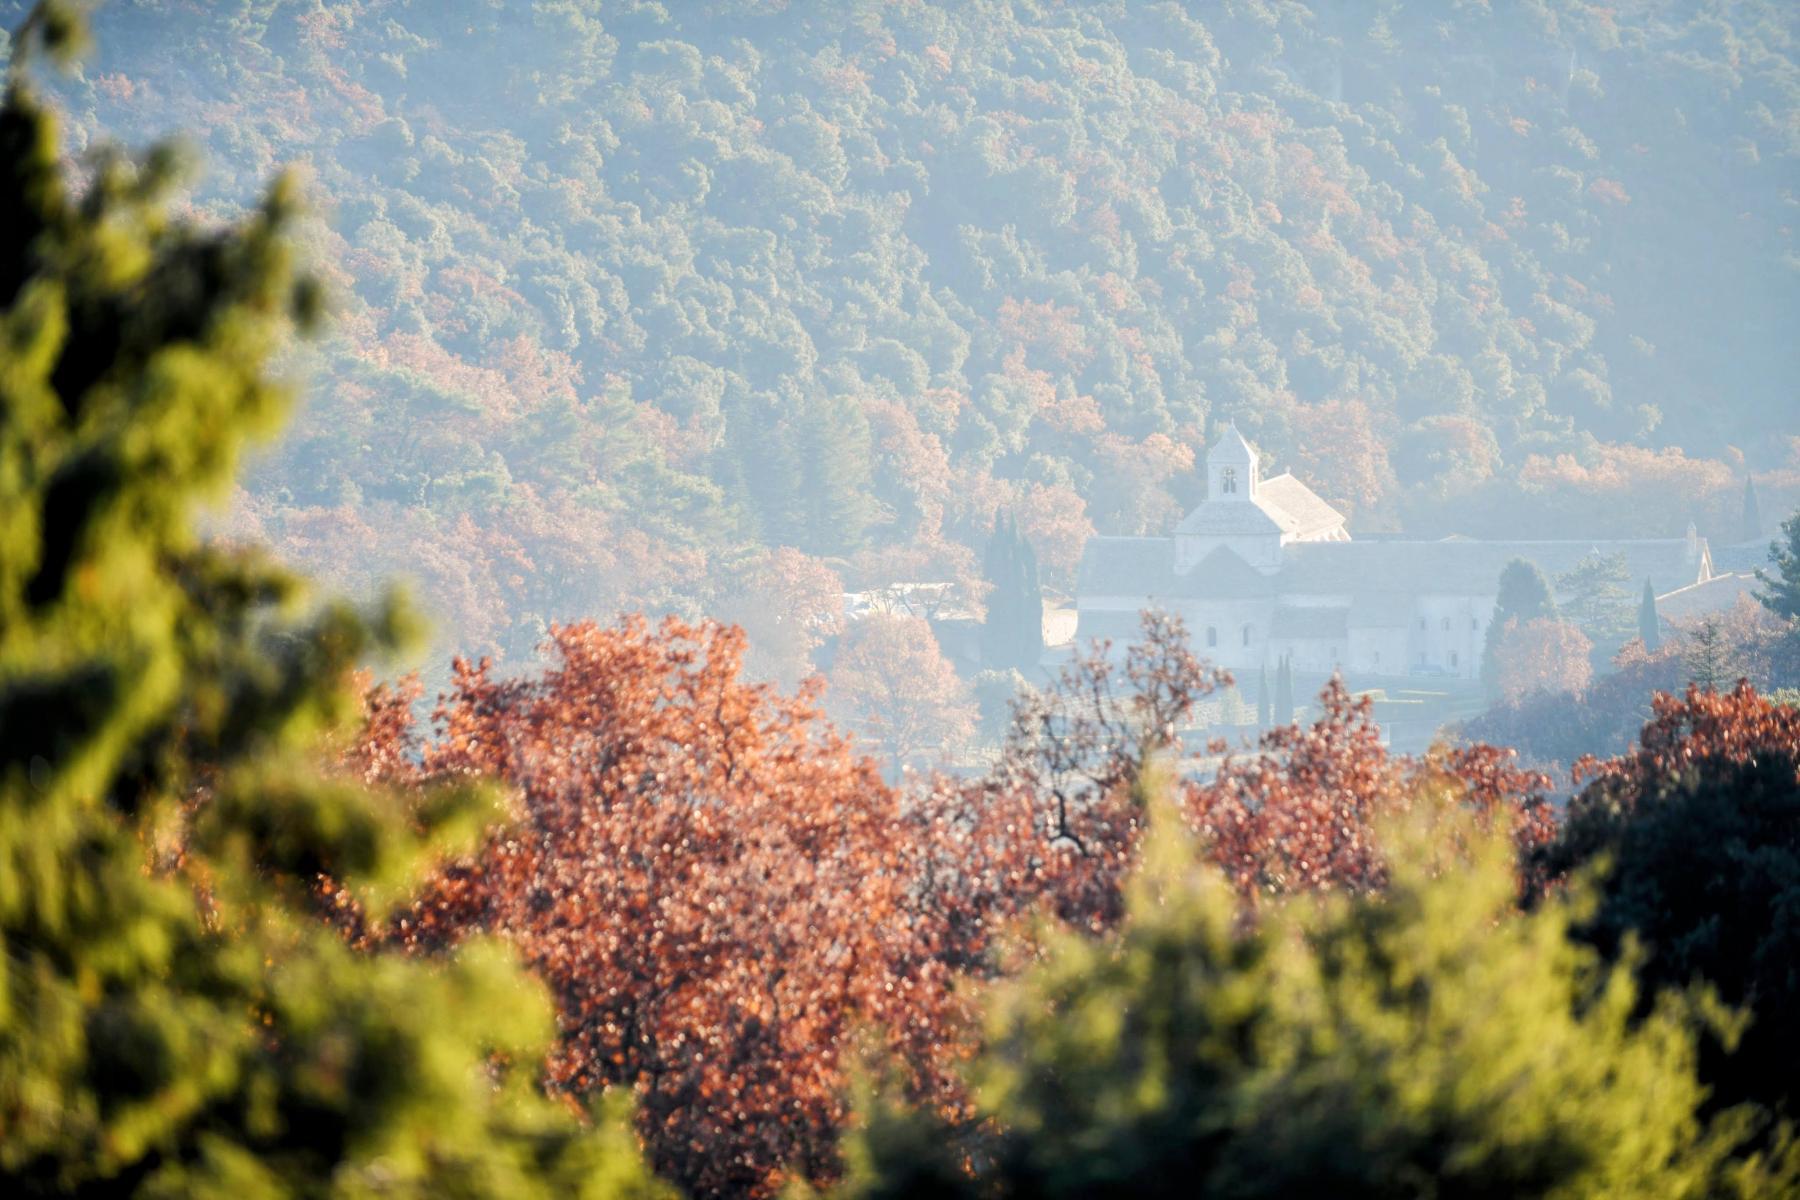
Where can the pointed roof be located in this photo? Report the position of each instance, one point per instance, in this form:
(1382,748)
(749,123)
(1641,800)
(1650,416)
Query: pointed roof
(1234,518)
(1282,505)
(1224,574)
(1231,447)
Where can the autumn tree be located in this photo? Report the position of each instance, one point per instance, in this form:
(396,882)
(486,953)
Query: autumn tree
(1699,830)
(1523,596)
(1053,518)
(789,604)
(175,1019)
(1302,811)
(890,680)
(712,883)
(1430,1035)
(1054,826)
(1542,655)
(1056,821)
(1339,452)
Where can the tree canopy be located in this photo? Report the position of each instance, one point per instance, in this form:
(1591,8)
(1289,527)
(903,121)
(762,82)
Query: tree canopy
(175,1017)
(629,291)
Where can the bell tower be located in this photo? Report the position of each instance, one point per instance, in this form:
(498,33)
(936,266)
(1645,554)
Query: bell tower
(1231,468)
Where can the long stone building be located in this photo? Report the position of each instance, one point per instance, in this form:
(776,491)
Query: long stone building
(1264,568)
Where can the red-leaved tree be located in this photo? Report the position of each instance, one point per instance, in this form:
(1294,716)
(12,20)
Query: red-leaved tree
(1304,810)
(710,881)
(720,892)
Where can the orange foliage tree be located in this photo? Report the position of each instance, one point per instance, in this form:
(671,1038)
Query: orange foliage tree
(788,603)
(1338,451)
(1541,656)
(709,880)
(1304,811)
(891,681)
(718,891)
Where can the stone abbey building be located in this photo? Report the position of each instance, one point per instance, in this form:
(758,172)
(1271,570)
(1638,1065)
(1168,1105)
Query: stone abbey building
(1264,568)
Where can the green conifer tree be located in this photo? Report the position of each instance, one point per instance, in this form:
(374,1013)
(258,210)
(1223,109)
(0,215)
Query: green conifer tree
(1004,602)
(1649,623)
(1284,693)
(1012,635)
(1523,596)
(1031,610)
(1781,594)
(1263,708)
(175,1017)
(832,444)
(1752,519)
(769,473)
(1430,1042)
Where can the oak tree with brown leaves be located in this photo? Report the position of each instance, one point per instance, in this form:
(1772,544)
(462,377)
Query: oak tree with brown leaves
(709,879)
(892,683)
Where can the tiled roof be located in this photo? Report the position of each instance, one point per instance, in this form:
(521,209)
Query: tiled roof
(1367,571)
(1718,594)
(1236,518)
(1465,568)
(1127,566)
(1741,559)
(1310,515)
(1231,447)
(1224,575)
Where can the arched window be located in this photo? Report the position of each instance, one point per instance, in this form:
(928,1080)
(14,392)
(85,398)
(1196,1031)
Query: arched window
(1212,636)
(1421,622)
(1246,635)
(1228,481)
(1446,624)
(1474,624)
(1453,658)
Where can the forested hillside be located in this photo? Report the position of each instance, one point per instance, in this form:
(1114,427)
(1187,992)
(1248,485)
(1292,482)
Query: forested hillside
(630,294)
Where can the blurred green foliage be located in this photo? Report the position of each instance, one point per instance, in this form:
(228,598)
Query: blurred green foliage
(1429,1042)
(176,1018)
(1703,872)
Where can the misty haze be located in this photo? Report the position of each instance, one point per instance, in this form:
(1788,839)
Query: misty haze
(747,598)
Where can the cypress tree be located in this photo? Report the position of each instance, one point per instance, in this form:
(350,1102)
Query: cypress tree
(1649,624)
(1262,697)
(1012,636)
(1752,521)
(1284,693)
(1004,603)
(769,473)
(1031,609)
(176,1016)
(832,438)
